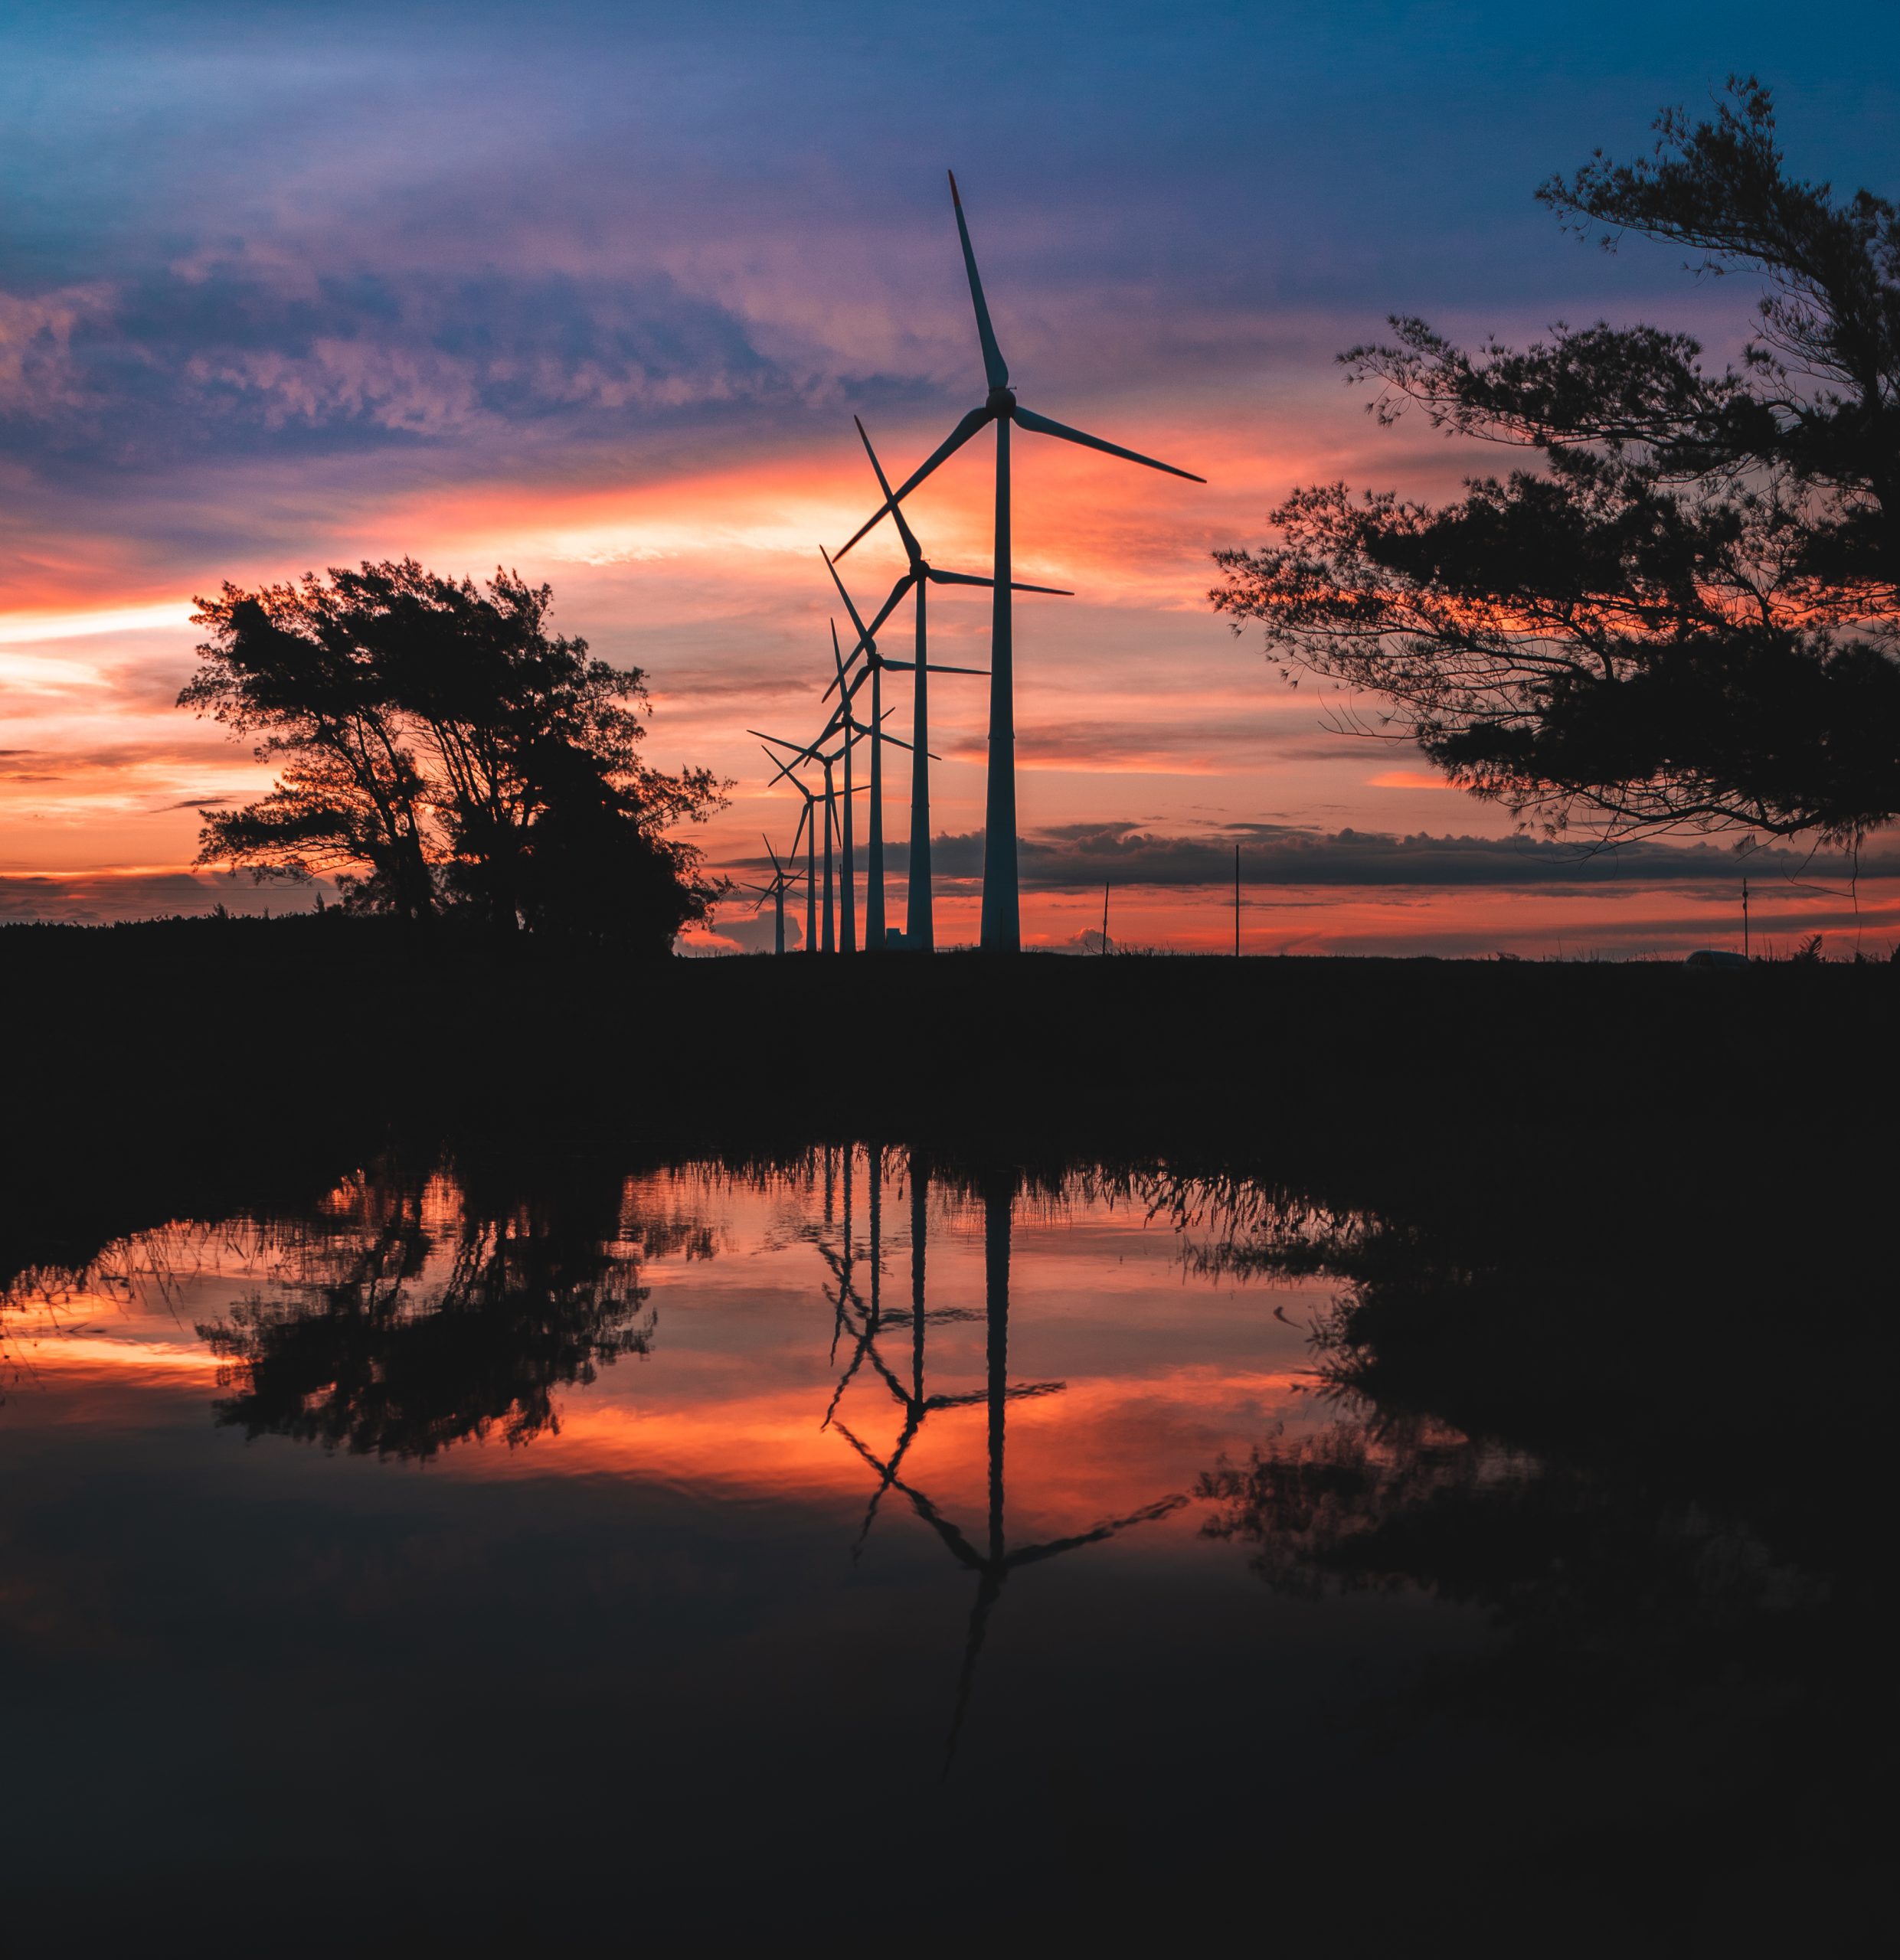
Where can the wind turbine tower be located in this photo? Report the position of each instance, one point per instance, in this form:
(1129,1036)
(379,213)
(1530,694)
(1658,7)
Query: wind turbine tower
(1002,913)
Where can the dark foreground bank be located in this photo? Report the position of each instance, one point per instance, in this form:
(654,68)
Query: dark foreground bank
(208,1056)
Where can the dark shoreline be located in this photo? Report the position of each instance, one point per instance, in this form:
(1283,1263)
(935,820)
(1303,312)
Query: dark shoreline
(181,1066)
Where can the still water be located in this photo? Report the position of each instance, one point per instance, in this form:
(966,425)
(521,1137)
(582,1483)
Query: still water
(829,1549)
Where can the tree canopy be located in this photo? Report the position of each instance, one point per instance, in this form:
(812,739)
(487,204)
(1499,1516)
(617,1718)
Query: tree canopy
(441,752)
(1687,614)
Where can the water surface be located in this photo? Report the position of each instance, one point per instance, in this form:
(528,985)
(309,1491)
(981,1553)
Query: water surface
(832,1546)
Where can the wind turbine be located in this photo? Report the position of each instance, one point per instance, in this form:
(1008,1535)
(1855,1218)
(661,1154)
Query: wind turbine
(920,929)
(874,937)
(808,830)
(775,890)
(1002,917)
(829,800)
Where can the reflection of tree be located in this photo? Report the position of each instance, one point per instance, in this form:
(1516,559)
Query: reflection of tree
(412,1317)
(991,1557)
(1586,1434)
(1615,1598)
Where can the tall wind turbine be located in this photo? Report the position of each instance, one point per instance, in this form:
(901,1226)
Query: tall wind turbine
(855,731)
(1001,919)
(873,670)
(920,933)
(843,720)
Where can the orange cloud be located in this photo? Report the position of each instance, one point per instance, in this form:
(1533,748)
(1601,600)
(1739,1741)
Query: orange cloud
(1408,779)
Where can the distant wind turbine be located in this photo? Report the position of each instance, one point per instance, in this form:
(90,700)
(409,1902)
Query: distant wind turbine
(1002,913)
(774,889)
(826,763)
(842,722)
(855,731)
(808,830)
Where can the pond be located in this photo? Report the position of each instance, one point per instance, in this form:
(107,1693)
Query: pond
(845,1545)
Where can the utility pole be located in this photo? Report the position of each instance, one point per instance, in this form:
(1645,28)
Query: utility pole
(1236,901)
(1104,915)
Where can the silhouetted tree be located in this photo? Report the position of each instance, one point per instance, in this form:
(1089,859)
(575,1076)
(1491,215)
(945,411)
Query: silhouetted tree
(442,749)
(1688,616)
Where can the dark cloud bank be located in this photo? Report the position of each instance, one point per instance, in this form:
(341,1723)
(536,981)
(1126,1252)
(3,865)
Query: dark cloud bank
(1083,856)
(234,357)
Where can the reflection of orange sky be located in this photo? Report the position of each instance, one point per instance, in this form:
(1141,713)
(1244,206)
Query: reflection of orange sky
(1098,1448)
(1160,1378)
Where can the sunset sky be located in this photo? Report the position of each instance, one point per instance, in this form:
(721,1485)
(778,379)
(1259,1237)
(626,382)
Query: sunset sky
(592,292)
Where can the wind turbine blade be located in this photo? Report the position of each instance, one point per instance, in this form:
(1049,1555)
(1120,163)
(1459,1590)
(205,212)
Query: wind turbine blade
(976,578)
(976,419)
(867,635)
(1043,427)
(889,606)
(855,620)
(995,368)
(784,767)
(842,665)
(933,668)
(912,550)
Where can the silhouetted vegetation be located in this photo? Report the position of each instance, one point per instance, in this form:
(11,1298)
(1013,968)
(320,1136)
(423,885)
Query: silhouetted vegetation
(440,751)
(1687,616)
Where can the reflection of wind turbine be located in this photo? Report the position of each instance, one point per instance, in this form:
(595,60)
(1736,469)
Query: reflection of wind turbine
(1002,921)
(920,932)
(996,1560)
